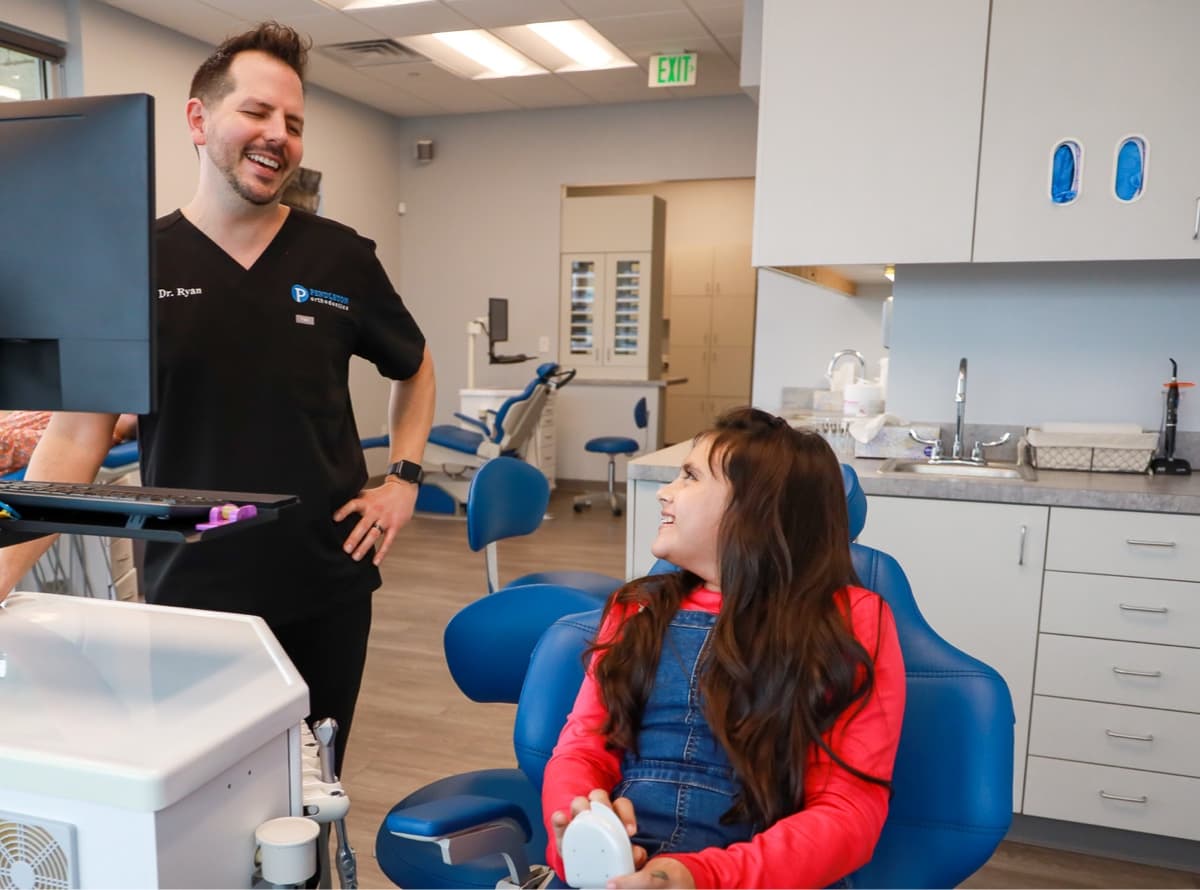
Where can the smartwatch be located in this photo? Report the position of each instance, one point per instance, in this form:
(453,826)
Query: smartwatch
(406,471)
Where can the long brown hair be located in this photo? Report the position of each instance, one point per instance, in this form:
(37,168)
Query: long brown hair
(782,663)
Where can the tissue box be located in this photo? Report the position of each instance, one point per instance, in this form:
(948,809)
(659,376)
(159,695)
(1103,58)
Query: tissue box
(894,441)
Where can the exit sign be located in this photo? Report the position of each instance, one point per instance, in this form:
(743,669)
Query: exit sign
(678,70)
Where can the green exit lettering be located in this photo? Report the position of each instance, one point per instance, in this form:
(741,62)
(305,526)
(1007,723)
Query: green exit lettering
(678,70)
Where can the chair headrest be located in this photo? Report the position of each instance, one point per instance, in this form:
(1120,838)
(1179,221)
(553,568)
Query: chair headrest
(856,501)
(507,498)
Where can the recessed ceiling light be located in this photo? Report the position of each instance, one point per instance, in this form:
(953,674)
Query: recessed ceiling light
(571,45)
(475,54)
(375,4)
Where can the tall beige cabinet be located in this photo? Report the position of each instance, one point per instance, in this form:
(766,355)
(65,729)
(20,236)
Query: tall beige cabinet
(711,333)
(611,314)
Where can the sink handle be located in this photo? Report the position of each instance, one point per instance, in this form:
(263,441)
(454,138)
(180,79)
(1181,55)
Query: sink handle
(935,444)
(977,451)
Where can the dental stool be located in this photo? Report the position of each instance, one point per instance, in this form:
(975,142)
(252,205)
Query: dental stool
(612,446)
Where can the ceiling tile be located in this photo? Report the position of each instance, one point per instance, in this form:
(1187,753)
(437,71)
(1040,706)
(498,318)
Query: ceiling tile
(427,81)
(733,46)
(188,17)
(503,13)
(416,18)
(543,91)
(641,50)
(590,9)
(262,10)
(333,27)
(672,26)
(722,19)
(616,85)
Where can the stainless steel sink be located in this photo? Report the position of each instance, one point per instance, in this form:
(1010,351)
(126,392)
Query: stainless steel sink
(897,467)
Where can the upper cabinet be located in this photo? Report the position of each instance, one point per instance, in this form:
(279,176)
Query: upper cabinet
(868,131)
(611,314)
(880,143)
(1113,82)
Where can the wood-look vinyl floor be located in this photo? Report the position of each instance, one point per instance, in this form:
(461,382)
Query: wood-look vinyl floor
(413,726)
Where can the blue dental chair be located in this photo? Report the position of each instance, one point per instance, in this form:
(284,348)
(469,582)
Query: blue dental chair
(453,452)
(952,800)
(508,498)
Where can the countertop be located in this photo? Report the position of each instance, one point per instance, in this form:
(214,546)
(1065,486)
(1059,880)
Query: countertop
(1058,488)
(612,381)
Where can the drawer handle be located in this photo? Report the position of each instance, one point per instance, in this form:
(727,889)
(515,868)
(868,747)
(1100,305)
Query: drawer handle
(1021,551)
(1140,799)
(1140,543)
(1158,610)
(1113,734)
(1125,672)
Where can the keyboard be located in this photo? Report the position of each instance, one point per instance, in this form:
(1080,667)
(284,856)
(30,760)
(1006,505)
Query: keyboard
(131,500)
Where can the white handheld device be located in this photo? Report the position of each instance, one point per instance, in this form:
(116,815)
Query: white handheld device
(595,847)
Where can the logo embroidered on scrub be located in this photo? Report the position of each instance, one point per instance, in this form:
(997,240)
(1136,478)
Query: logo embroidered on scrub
(302,294)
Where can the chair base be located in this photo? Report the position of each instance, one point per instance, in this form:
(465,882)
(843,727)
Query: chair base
(616,503)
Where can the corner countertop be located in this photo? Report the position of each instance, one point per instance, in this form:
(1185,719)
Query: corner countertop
(1058,488)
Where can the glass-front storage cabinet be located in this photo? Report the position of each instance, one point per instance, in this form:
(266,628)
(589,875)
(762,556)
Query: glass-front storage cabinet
(611,310)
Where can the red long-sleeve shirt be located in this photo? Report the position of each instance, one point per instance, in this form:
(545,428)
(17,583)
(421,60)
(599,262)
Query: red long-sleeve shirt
(843,815)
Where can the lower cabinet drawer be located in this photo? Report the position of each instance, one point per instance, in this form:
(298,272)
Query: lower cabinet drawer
(1144,610)
(1119,798)
(1116,735)
(1141,674)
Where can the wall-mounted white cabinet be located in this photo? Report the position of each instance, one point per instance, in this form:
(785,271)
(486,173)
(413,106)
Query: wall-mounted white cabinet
(611,315)
(879,142)
(868,131)
(1095,73)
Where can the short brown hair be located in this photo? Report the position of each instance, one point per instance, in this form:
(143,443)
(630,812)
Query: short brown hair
(212,82)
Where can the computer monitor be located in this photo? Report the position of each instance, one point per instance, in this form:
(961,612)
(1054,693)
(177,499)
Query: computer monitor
(76,254)
(497,319)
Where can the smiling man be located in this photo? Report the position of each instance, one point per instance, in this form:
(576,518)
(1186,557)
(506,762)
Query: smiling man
(260,308)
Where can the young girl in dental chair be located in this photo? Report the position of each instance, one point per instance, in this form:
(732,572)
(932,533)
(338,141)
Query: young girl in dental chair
(741,715)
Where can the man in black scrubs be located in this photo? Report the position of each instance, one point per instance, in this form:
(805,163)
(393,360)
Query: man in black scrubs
(260,308)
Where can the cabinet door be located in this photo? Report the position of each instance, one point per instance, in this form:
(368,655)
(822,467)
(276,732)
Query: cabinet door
(686,415)
(691,320)
(733,273)
(868,131)
(691,270)
(1095,72)
(729,370)
(733,320)
(690,362)
(582,334)
(976,572)
(626,312)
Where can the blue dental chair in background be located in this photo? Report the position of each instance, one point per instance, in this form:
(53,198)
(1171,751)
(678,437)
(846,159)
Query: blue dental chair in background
(508,498)
(952,800)
(452,452)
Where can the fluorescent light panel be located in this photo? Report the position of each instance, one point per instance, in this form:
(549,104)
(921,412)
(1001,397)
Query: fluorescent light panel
(562,46)
(375,4)
(477,55)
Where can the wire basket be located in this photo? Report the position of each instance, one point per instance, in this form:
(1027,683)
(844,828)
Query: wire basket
(1121,453)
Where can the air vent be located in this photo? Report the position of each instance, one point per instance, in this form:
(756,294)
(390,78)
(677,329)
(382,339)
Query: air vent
(365,53)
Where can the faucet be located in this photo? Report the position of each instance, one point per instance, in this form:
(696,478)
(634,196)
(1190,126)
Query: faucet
(846,353)
(958,448)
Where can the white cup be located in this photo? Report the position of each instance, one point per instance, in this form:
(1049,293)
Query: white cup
(289,850)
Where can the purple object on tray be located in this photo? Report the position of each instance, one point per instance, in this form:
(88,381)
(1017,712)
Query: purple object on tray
(225,514)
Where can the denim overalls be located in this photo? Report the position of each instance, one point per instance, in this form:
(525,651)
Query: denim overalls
(682,782)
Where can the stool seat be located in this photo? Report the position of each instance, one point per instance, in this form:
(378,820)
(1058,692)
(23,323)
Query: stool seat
(612,445)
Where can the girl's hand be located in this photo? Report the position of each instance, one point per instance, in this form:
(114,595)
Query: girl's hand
(660,872)
(622,806)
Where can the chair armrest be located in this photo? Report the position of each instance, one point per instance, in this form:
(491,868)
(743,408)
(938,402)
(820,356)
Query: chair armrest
(455,814)
(474,421)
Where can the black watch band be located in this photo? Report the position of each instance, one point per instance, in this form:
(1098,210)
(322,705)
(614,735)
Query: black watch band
(406,471)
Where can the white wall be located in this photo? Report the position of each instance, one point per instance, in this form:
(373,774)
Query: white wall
(45,18)
(483,217)
(1045,341)
(352,145)
(798,328)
